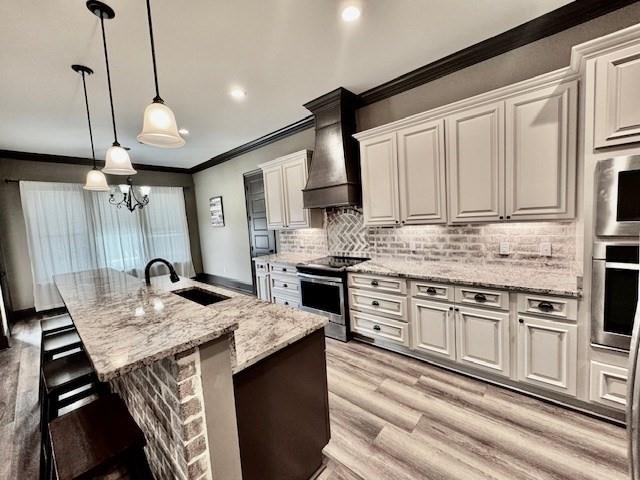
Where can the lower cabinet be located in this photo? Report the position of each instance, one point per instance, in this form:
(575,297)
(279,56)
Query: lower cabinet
(380,328)
(608,385)
(263,290)
(547,353)
(483,339)
(433,328)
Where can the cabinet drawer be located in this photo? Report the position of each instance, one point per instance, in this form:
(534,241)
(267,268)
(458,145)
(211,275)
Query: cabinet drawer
(564,308)
(608,385)
(482,298)
(284,300)
(380,328)
(379,303)
(432,291)
(283,268)
(292,286)
(262,266)
(374,282)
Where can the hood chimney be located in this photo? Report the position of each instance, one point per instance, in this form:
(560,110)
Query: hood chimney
(334,175)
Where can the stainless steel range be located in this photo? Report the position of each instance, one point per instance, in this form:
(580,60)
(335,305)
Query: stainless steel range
(323,284)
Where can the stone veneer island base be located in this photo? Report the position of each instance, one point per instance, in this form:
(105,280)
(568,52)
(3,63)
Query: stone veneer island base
(220,391)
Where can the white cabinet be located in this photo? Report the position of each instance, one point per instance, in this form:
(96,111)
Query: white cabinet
(608,385)
(547,353)
(483,339)
(541,153)
(284,179)
(617,98)
(421,166)
(475,151)
(379,171)
(433,328)
(263,290)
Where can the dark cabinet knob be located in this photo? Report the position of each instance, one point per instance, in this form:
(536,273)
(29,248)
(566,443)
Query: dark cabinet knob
(508,217)
(431,291)
(520,320)
(375,303)
(479,297)
(402,221)
(286,303)
(374,283)
(501,217)
(451,308)
(545,307)
(284,269)
(285,285)
(376,328)
(457,309)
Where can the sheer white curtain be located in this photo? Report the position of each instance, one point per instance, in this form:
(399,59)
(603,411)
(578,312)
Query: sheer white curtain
(70,229)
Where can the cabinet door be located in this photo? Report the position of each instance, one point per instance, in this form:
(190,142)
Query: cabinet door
(422,173)
(617,98)
(294,173)
(547,353)
(433,328)
(483,339)
(379,166)
(541,153)
(263,289)
(475,162)
(274,197)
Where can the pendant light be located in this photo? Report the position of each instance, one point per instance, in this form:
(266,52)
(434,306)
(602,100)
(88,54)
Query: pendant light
(117,161)
(159,127)
(96,181)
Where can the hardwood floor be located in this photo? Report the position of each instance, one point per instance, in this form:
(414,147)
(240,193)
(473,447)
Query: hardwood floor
(19,413)
(394,417)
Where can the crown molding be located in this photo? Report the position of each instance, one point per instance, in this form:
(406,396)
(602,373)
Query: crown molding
(45,157)
(599,46)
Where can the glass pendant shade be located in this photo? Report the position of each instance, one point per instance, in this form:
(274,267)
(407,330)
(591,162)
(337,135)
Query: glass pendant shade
(117,162)
(145,191)
(159,128)
(96,181)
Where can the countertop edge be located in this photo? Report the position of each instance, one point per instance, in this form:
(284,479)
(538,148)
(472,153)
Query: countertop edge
(456,281)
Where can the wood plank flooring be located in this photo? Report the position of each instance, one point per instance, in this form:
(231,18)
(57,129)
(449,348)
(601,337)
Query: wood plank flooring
(394,417)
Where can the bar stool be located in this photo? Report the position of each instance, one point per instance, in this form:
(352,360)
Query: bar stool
(58,343)
(56,324)
(98,439)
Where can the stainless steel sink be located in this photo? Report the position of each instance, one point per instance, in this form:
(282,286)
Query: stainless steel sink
(198,295)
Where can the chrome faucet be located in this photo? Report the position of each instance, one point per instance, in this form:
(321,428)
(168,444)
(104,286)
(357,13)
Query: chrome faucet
(173,276)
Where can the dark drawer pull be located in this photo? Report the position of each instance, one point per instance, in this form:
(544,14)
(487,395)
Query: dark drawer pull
(284,269)
(374,283)
(286,303)
(431,291)
(285,285)
(375,303)
(479,297)
(376,328)
(545,307)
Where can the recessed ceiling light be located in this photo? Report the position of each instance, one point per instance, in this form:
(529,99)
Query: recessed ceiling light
(351,13)
(183,131)
(238,93)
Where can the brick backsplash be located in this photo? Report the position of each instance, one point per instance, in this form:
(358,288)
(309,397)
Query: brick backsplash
(165,399)
(344,233)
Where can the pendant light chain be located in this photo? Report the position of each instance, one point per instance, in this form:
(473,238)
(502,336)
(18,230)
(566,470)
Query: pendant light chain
(106,59)
(153,54)
(86,101)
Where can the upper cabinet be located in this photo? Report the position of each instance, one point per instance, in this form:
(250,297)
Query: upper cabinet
(379,170)
(541,153)
(617,98)
(503,157)
(284,179)
(475,147)
(421,168)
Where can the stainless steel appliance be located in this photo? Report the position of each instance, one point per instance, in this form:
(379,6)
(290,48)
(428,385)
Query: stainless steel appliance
(614,293)
(323,286)
(617,197)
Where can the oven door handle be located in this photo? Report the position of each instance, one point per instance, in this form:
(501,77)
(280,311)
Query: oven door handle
(320,279)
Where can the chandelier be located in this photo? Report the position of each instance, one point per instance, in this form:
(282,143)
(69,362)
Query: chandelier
(129,198)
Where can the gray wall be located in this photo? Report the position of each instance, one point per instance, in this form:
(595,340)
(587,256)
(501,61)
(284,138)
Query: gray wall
(13,238)
(225,250)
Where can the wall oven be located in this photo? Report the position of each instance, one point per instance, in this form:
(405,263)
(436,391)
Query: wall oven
(614,294)
(618,197)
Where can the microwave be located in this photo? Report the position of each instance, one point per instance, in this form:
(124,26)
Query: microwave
(618,197)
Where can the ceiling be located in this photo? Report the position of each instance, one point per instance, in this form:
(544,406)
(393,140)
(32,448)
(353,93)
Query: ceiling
(282,52)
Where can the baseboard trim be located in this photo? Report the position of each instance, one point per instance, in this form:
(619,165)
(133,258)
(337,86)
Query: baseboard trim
(217,280)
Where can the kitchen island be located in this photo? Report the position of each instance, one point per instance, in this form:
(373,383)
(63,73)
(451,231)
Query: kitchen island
(175,363)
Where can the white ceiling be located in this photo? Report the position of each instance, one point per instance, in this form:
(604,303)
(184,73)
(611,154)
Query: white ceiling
(283,52)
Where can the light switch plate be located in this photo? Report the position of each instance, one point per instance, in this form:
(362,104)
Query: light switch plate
(545,249)
(504,248)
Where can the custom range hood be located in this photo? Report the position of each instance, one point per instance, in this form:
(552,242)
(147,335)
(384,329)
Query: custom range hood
(334,175)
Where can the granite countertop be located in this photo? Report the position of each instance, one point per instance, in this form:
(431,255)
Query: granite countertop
(514,278)
(289,258)
(124,324)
